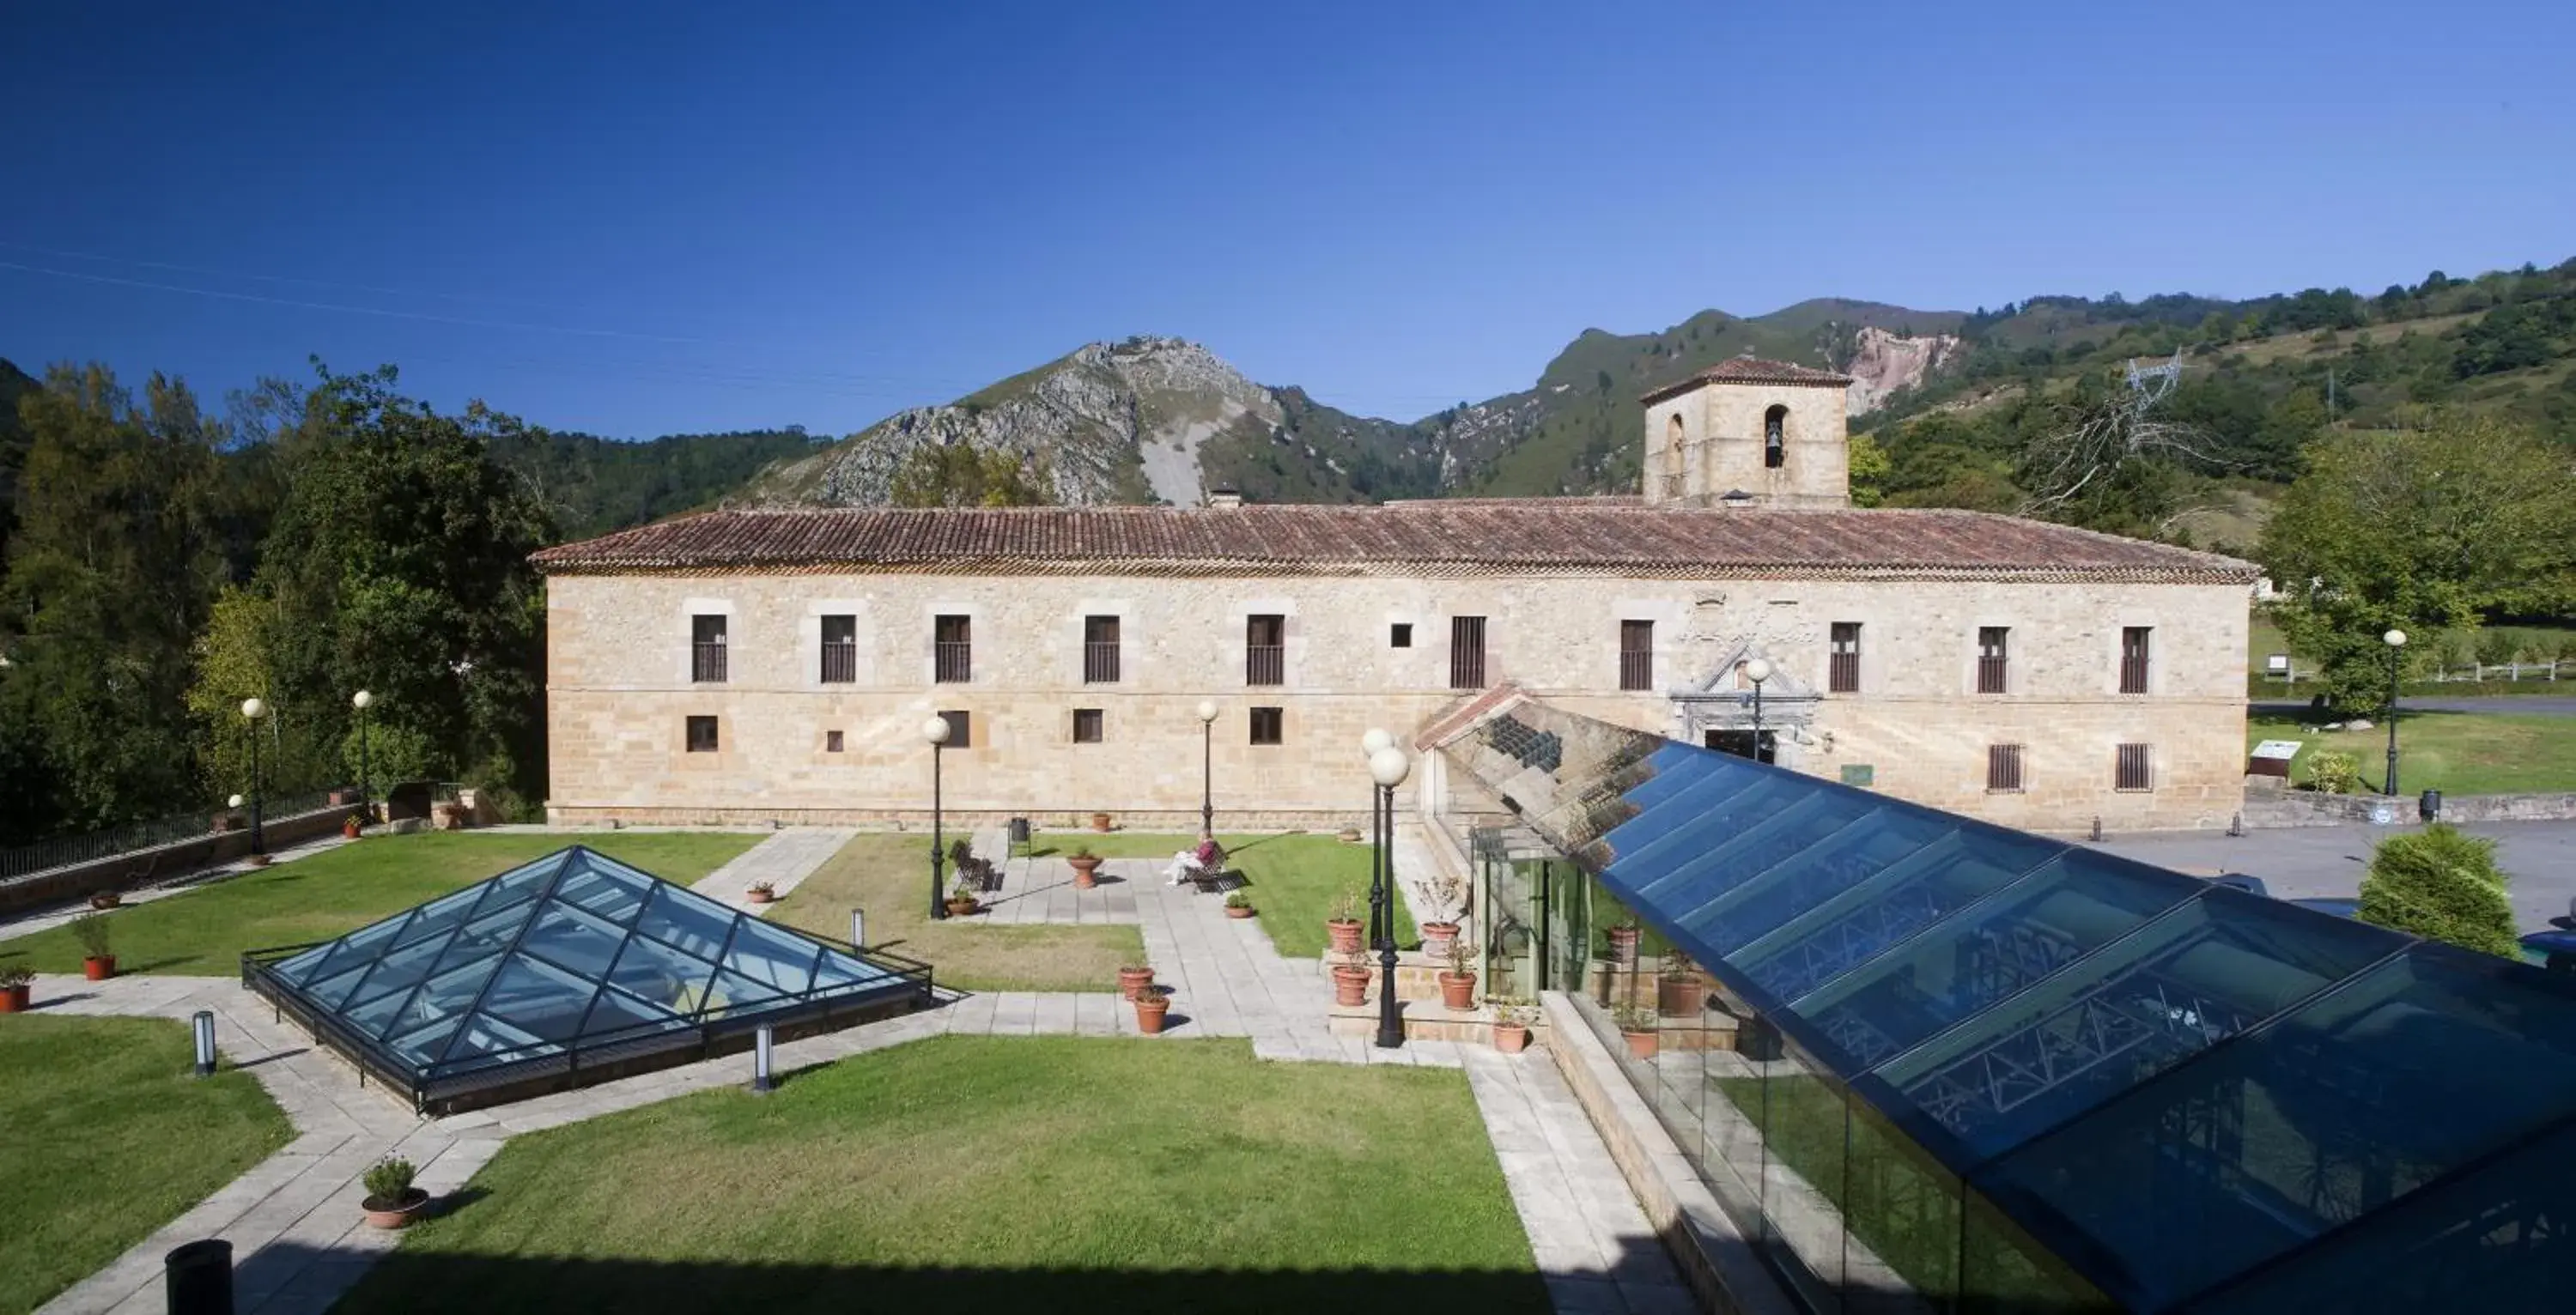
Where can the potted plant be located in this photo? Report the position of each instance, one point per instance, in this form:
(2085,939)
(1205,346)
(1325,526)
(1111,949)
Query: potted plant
(1085,864)
(98,963)
(1350,981)
(1134,981)
(1458,984)
(392,1202)
(1151,1005)
(961,897)
(351,825)
(1100,821)
(1344,924)
(1679,990)
(761,892)
(1637,1023)
(1349,835)
(1623,943)
(14,984)
(1238,905)
(106,899)
(1512,1026)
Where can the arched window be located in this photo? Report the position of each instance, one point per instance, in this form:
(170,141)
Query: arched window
(1775,447)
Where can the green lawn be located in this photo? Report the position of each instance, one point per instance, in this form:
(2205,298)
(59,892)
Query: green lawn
(2454,752)
(311,899)
(109,1137)
(996,1173)
(1293,877)
(889,877)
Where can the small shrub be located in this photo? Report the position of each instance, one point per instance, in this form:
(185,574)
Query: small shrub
(15,976)
(2332,771)
(1635,1018)
(1462,957)
(960,852)
(90,929)
(2441,884)
(1238,900)
(1082,851)
(1677,966)
(1346,907)
(388,1180)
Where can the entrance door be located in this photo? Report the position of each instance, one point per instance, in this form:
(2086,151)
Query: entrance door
(1740,743)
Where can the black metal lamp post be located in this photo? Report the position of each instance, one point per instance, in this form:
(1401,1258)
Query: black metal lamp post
(1389,767)
(362,700)
(1207,769)
(252,710)
(1370,744)
(935,731)
(2396,641)
(1758,670)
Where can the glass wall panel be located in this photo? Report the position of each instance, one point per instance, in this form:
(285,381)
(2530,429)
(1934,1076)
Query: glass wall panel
(1692,882)
(2003,1271)
(1802,1187)
(1653,843)
(650,970)
(439,915)
(1796,886)
(780,960)
(1903,1213)
(602,889)
(693,925)
(538,999)
(568,938)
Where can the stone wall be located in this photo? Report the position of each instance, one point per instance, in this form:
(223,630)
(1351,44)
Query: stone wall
(619,690)
(1707,442)
(126,871)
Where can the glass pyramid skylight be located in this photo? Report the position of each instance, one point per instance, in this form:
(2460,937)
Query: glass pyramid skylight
(575,964)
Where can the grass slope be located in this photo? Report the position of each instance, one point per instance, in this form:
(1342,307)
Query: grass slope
(1293,878)
(889,877)
(204,932)
(991,1173)
(2453,752)
(109,1137)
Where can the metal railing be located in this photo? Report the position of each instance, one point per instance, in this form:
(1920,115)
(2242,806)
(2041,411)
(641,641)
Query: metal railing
(707,663)
(840,662)
(952,661)
(1842,674)
(1265,664)
(1637,670)
(1991,673)
(136,837)
(1100,662)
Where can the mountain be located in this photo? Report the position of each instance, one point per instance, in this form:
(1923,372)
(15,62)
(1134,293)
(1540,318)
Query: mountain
(595,485)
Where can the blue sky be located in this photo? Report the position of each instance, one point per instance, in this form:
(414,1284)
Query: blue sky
(633,219)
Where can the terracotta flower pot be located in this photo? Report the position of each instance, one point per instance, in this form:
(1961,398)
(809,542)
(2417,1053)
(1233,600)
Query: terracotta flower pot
(13,999)
(1349,835)
(397,1214)
(258,860)
(1134,980)
(1345,935)
(1083,872)
(963,906)
(1436,938)
(1149,1013)
(99,968)
(105,899)
(1100,821)
(349,830)
(1510,1038)
(1239,910)
(760,896)
(1623,945)
(1680,997)
(1641,1044)
(1350,985)
(1458,990)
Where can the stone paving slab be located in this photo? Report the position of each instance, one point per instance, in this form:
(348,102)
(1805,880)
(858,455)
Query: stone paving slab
(784,860)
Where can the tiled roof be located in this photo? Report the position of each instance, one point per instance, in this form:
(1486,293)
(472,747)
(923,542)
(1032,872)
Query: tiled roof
(1535,536)
(1752,370)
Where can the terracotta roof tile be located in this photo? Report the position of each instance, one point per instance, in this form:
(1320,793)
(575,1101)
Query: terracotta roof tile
(1536,536)
(1752,370)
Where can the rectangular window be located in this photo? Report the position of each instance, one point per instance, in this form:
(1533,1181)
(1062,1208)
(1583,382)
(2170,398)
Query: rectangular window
(961,729)
(1266,726)
(1466,652)
(840,650)
(953,650)
(707,649)
(1099,650)
(1842,670)
(2133,771)
(2003,767)
(831,741)
(1399,634)
(2135,644)
(702,735)
(1993,652)
(1636,655)
(1086,725)
(1265,651)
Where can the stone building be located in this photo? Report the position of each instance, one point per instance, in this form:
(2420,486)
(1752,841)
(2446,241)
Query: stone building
(749,665)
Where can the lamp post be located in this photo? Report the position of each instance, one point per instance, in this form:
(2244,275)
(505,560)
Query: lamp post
(252,710)
(1207,769)
(1389,767)
(1376,741)
(1758,670)
(362,700)
(935,731)
(2396,641)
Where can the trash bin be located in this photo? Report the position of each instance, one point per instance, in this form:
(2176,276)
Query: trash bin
(197,1278)
(2430,805)
(1019,831)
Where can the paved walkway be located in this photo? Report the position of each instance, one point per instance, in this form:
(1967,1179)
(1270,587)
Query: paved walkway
(28,924)
(1222,974)
(784,861)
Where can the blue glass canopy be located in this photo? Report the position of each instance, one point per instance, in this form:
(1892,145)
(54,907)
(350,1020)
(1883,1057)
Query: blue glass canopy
(573,959)
(2193,1097)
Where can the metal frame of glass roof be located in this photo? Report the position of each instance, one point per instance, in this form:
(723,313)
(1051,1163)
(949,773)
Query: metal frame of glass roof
(2195,1097)
(572,969)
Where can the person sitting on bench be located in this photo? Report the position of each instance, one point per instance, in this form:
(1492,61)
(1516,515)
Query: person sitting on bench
(1192,864)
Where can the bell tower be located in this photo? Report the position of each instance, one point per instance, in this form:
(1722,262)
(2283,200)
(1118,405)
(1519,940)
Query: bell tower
(1767,432)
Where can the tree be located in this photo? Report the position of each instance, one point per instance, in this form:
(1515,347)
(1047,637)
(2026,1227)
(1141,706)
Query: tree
(960,475)
(1869,470)
(2441,884)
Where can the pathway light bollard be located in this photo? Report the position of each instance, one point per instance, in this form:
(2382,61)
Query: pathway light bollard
(203,1026)
(197,1278)
(763,1079)
(858,929)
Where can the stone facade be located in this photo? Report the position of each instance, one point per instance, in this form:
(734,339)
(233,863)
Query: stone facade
(1714,439)
(620,690)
